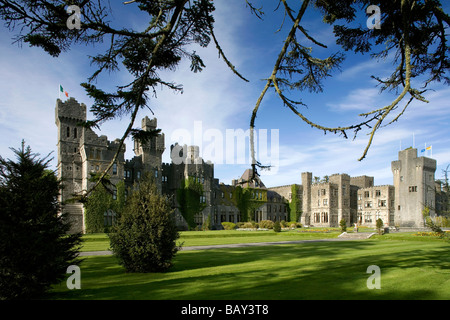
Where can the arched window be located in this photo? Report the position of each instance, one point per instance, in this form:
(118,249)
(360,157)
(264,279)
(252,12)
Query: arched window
(68,132)
(75,133)
(115,168)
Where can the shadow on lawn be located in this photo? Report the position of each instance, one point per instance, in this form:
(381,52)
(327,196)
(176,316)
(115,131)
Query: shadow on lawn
(307,271)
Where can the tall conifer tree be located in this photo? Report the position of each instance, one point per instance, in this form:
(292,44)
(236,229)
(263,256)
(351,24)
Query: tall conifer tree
(35,250)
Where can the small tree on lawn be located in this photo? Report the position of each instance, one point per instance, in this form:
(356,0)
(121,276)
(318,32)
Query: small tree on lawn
(430,223)
(144,238)
(343,225)
(379,226)
(277,226)
(35,249)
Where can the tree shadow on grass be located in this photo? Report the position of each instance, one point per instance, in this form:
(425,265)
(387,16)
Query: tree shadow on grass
(335,270)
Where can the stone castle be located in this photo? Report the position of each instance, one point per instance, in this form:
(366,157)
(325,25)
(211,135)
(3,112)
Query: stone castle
(316,203)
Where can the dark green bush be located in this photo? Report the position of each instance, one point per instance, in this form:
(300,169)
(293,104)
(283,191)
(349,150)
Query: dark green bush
(379,225)
(343,225)
(144,238)
(277,226)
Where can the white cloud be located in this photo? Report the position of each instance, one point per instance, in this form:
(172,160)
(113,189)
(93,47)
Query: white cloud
(220,100)
(360,99)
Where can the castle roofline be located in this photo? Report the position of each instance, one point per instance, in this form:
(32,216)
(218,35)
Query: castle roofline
(286,185)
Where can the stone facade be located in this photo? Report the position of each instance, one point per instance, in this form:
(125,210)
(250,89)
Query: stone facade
(415,187)
(374,203)
(81,153)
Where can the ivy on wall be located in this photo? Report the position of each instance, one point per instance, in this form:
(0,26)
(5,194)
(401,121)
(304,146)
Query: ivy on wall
(100,201)
(189,199)
(247,200)
(295,211)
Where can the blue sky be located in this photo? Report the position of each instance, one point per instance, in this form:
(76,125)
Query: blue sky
(219,100)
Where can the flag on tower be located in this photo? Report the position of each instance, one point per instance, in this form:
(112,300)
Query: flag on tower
(61,90)
(426,149)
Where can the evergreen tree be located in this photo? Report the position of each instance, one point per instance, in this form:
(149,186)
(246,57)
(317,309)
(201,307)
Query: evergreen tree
(144,237)
(413,33)
(294,207)
(171,27)
(277,226)
(431,224)
(379,225)
(35,250)
(343,225)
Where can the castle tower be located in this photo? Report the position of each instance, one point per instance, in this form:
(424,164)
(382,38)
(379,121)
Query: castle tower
(67,115)
(343,200)
(414,188)
(151,152)
(306,204)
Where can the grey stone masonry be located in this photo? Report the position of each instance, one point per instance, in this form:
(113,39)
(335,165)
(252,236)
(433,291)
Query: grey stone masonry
(414,188)
(323,203)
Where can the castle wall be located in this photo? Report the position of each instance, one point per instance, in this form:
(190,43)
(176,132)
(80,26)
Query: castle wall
(81,152)
(377,202)
(306,203)
(70,162)
(414,187)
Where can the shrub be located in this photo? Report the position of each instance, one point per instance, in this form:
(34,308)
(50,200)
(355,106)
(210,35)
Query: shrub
(277,226)
(144,238)
(266,224)
(254,224)
(242,224)
(343,225)
(35,249)
(248,225)
(207,225)
(229,225)
(295,225)
(430,223)
(379,226)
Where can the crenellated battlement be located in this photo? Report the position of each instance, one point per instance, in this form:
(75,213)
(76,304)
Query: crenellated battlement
(81,152)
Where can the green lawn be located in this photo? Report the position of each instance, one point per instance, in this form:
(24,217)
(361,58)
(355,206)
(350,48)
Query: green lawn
(100,242)
(411,268)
